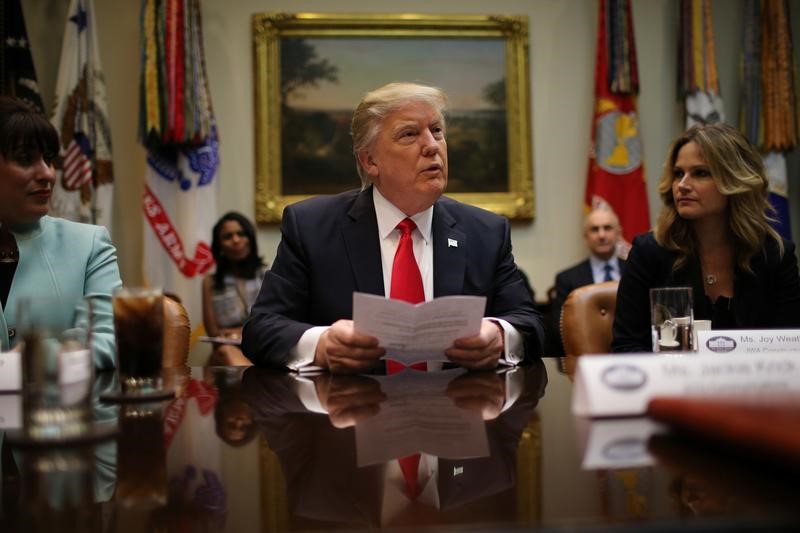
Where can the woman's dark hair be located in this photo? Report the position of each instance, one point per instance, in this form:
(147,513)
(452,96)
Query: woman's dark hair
(24,133)
(248,266)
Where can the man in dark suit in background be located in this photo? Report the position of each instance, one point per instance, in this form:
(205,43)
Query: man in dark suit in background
(335,245)
(601,231)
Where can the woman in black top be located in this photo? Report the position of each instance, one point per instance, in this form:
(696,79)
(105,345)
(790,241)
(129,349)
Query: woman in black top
(713,235)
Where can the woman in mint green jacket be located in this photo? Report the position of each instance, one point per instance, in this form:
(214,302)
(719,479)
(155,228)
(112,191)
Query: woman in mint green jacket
(52,262)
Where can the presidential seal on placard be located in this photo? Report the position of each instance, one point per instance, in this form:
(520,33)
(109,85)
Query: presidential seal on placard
(624,377)
(721,344)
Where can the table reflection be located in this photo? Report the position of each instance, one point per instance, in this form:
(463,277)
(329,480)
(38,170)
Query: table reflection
(704,484)
(61,488)
(320,445)
(258,450)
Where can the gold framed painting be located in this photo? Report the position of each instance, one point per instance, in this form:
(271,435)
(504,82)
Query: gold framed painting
(312,69)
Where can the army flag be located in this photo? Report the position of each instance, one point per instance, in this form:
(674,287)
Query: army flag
(84,182)
(176,125)
(616,170)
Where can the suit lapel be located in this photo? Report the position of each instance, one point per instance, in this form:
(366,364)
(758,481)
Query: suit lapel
(360,232)
(449,253)
(587,274)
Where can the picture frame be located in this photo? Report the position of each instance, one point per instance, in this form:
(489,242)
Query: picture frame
(311,70)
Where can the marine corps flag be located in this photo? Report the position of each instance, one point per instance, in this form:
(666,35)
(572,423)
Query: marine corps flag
(83,189)
(616,171)
(17,75)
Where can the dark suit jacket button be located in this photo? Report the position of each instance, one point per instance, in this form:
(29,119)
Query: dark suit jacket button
(11,333)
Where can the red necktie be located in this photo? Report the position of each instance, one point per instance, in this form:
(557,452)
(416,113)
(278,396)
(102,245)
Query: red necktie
(406,281)
(407,286)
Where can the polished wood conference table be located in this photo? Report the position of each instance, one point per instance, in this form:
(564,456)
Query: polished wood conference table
(258,450)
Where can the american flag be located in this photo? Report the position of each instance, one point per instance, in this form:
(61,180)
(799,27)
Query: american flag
(84,188)
(77,166)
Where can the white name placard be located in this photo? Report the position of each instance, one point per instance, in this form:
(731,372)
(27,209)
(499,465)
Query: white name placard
(622,385)
(752,341)
(10,411)
(10,371)
(74,366)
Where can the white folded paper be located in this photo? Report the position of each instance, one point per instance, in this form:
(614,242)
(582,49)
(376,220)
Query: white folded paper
(417,416)
(622,385)
(753,341)
(232,341)
(421,332)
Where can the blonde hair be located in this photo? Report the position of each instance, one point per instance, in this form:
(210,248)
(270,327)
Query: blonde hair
(378,104)
(738,173)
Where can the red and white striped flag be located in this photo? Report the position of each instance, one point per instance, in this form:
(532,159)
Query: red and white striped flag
(76,166)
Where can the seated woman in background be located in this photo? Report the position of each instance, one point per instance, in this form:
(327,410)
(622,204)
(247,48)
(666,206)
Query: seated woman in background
(713,235)
(50,263)
(230,291)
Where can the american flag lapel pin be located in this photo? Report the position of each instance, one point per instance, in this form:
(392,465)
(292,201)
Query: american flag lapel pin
(452,243)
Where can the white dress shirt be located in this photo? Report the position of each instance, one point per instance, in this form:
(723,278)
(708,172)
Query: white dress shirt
(388,216)
(599,268)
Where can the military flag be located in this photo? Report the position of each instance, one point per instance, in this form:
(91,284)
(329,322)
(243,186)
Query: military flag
(177,127)
(616,171)
(769,110)
(697,67)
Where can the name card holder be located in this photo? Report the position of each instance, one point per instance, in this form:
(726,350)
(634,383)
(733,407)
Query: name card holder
(10,371)
(622,385)
(74,367)
(750,341)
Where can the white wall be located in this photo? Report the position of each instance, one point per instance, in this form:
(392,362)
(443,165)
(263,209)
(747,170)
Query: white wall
(562,52)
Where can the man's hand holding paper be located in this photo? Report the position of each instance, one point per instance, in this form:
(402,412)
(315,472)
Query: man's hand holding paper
(342,349)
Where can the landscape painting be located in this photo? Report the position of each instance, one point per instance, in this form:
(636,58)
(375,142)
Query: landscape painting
(321,72)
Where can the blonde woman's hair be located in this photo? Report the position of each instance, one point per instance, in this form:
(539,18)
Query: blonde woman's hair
(378,104)
(738,172)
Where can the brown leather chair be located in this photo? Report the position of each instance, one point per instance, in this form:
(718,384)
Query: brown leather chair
(587,318)
(177,333)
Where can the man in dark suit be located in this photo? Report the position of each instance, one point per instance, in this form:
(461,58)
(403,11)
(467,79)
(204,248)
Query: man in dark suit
(332,246)
(601,231)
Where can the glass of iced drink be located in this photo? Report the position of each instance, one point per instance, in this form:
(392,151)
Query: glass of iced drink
(139,327)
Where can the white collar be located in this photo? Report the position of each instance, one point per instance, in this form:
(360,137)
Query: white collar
(389,216)
(598,264)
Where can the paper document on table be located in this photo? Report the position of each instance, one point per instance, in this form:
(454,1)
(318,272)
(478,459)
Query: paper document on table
(418,416)
(421,332)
